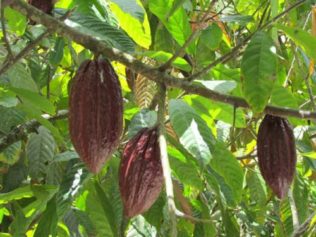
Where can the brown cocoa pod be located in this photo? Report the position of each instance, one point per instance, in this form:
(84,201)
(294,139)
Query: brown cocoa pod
(276,153)
(140,173)
(95,112)
(43,5)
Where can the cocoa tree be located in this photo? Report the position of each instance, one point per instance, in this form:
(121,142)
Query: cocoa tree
(165,102)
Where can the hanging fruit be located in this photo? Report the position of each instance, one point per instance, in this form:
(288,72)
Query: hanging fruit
(95,112)
(276,153)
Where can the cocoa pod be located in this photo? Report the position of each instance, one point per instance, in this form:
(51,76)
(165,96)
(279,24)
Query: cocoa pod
(140,172)
(43,5)
(95,112)
(276,153)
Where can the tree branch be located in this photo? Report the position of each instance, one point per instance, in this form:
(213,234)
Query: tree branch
(25,51)
(4,31)
(151,73)
(20,132)
(232,53)
(303,227)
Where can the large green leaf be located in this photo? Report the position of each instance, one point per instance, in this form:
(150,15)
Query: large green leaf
(96,213)
(34,99)
(34,113)
(143,119)
(163,57)
(47,224)
(74,175)
(40,150)
(258,69)
(227,166)
(27,214)
(10,117)
(192,131)
(41,192)
(101,30)
(133,19)
(107,208)
(177,23)
(283,97)
(257,188)
(11,154)
(16,21)
(18,76)
(181,166)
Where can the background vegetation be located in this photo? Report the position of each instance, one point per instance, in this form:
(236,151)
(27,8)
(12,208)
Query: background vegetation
(224,64)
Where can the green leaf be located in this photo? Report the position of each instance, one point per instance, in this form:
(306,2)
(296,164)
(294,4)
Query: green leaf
(40,151)
(101,30)
(301,195)
(17,194)
(192,131)
(145,118)
(225,113)
(302,38)
(182,166)
(107,208)
(47,224)
(15,20)
(34,99)
(163,57)
(211,37)
(258,69)
(240,19)
(36,114)
(163,40)
(227,166)
(57,54)
(40,191)
(219,85)
(177,24)
(133,19)
(283,97)
(96,213)
(11,154)
(74,176)
(7,98)
(15,176)
(10,117)
(18,76)
(257,188)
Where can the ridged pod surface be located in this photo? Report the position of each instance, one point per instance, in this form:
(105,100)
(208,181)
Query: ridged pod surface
(276,153)
(140,173)
(95,112)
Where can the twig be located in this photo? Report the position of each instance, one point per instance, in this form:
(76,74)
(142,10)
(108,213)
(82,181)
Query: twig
(20,132)
(310,92)
(165,161)
(4,31)
(294,58)
(151,73)
(303,227)
(193,35)
(232,53)
(192,218)
(9,63)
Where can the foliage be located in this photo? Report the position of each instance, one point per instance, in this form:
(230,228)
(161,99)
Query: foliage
(260,57)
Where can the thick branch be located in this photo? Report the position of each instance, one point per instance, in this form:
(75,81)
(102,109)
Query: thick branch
(151,73)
